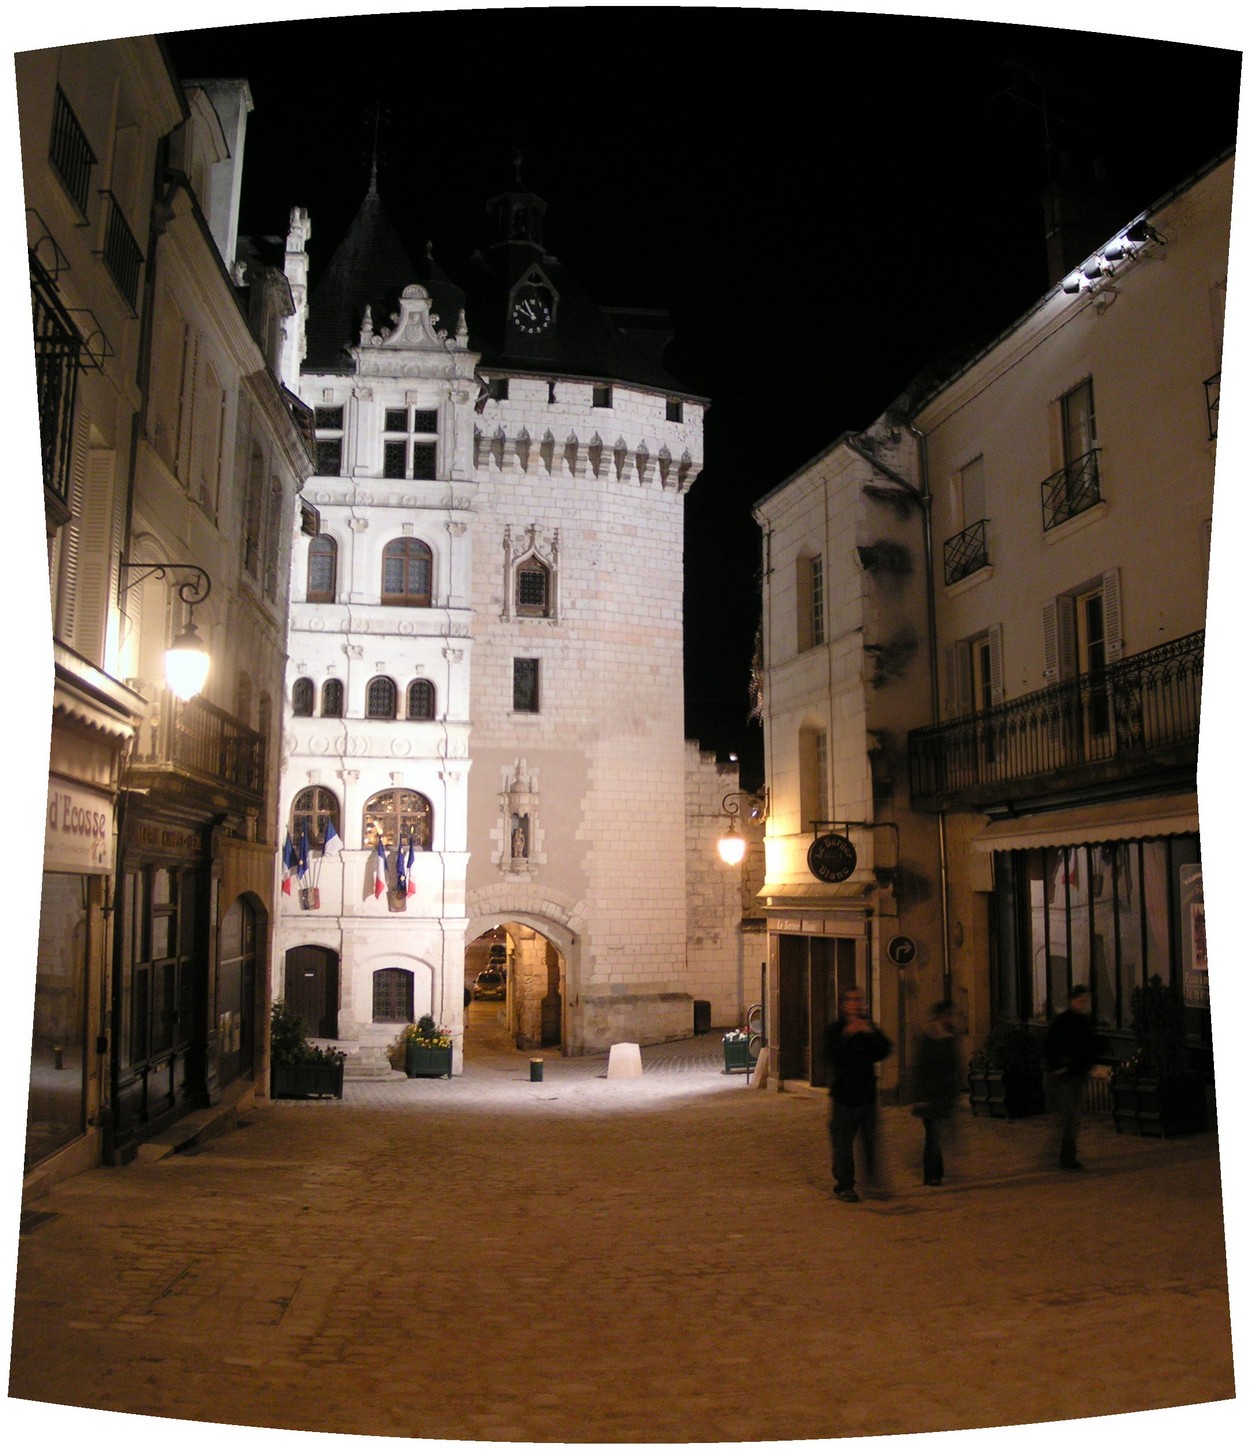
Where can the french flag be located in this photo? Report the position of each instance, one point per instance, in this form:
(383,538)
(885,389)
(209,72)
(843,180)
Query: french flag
(288,864)
(379,870)
(412,885)
(333,842)
(401,880)
(301,869)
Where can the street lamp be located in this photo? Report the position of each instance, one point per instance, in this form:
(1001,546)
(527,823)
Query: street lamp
(186,659)
(731,846)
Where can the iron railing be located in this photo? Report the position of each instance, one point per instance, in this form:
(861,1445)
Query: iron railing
(121,252)
(1071,490)
(966,552)
(58,350)
(1112,723)
(198,739)
(70,153)
(1212,389)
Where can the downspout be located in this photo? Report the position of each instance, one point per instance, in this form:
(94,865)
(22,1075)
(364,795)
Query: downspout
(931,611)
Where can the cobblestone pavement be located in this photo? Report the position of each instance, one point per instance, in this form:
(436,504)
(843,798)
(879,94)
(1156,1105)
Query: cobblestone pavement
(656,1259)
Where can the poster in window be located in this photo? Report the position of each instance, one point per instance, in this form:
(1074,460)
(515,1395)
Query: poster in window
(1194,937)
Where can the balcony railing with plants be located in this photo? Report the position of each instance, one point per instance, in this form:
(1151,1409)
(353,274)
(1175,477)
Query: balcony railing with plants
(966,552)
(199,740)
(1136,714)
(1071,490)
(121,252)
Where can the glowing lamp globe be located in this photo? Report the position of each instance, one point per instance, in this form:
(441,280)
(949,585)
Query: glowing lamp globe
(731,846)
(186,664)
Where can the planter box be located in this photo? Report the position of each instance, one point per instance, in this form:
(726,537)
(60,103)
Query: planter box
(427,1061)
(738,1054)
(307,1079)
(1003,1094)
(1154,1107)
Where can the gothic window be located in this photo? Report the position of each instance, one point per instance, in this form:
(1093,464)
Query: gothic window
(302,694)
(407,567)
(332,699)
(380,698)
(394,815)
(410,443)
(313,809)
(533,589)
(392,994)
(421,699)
(323,559)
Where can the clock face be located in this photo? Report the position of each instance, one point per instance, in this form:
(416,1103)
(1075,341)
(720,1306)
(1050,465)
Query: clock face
(531,312)
(831,858)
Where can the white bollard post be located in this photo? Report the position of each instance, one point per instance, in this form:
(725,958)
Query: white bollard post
(625,1060)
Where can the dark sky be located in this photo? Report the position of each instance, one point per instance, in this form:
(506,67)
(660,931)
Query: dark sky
(824,202)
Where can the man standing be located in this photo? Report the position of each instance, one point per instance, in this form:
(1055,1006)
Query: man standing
(853,1047)
(1068,1050)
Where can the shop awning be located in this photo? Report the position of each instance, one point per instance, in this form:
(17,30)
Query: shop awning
(1093,824)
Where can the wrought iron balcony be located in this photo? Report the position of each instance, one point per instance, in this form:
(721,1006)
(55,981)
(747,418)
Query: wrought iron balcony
(70,152)
(121,252)
(966,552)
(201,743)
(58,348)
(1212,387)
(1071,490)
(1134,717)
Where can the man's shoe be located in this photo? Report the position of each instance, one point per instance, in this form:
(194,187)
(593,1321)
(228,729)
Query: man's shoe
(846,1194)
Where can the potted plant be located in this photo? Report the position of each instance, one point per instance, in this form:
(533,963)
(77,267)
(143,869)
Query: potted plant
(1154,1092)
(297,1068)
(1005,1075)
(423,1049)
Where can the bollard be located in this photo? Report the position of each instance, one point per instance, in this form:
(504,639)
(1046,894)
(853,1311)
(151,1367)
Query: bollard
(536,1069)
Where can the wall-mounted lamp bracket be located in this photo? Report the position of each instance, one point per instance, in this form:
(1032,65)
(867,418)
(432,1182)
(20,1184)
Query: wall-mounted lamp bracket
(191,591)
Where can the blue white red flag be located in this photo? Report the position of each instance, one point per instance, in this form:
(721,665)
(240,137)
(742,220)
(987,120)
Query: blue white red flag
(288,864)
(333,843)
(379,870)
(412,885)
(401,880)
(301,869)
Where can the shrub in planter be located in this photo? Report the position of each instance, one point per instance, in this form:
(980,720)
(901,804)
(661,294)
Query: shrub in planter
(1005,1075)
(1154,1092)
(297,1068)
(422,1049)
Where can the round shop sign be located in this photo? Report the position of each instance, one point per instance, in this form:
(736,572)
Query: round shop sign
(831,858)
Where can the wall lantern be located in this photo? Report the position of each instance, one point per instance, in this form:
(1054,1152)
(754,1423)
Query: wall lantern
(186,659)
(731,846)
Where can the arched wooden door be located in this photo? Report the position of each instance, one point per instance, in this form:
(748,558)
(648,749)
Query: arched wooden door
(312,988)
(236,992)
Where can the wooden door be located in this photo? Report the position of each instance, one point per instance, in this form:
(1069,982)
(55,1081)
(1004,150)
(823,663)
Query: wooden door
(312,988)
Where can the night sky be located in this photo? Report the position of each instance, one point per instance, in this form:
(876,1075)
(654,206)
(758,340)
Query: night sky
(824,202)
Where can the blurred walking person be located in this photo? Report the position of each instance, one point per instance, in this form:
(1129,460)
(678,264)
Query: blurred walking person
(853,1047)
(938,1085)
(1068,1050)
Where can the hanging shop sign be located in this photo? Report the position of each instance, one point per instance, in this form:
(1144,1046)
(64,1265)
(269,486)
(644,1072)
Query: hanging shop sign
(78,831)
(831,858)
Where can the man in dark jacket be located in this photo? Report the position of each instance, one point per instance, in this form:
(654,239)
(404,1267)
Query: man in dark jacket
(853,1047)
(1069,1050)
(939,1082)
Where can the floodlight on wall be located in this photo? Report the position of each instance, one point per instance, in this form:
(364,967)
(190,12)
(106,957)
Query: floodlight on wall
(186,659)
(731,846)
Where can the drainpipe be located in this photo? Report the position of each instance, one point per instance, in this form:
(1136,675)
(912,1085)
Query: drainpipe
(926,497)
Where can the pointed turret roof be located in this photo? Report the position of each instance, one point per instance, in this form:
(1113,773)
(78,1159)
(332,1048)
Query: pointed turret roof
(370,267)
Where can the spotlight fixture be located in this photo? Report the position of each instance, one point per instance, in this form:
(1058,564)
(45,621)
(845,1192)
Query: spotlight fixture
(186,659)
(1073,283)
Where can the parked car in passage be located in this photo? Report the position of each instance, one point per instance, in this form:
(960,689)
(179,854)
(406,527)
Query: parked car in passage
(490,985)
